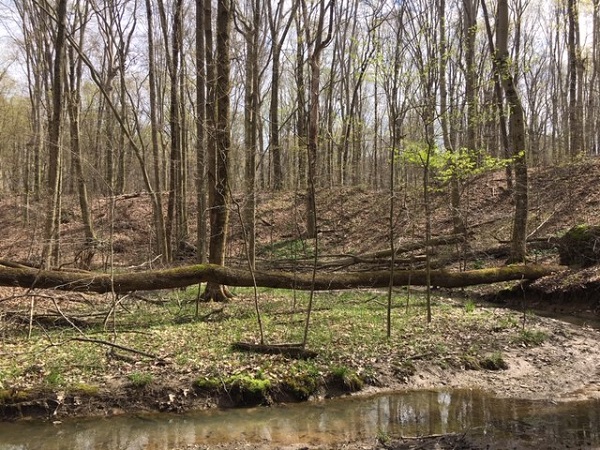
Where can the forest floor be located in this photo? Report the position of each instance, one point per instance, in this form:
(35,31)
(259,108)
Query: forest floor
(64,354)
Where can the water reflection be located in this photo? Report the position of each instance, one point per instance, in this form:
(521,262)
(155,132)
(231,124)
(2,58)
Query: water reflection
(322,423)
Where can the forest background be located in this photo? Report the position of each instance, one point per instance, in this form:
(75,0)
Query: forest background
(224,101)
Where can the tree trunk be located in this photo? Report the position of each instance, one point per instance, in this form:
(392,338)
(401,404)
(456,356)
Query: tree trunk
(251,129)
(50,253)
(219,211)
(320,43)
(12,274)
(278,40)
(301,114)
(201,134)
(162,244)
(575,119)
(455,210)
(73,107)
(516,129)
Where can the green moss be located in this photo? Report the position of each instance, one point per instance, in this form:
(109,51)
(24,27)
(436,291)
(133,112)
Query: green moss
(85,389)
(578,232)
(248,390)
(11,396)
(208,383)
(249,383)
(303,385)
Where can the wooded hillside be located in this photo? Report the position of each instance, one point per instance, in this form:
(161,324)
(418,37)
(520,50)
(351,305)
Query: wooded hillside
(404,107)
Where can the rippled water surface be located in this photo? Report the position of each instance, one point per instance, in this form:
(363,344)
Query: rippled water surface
(535,424)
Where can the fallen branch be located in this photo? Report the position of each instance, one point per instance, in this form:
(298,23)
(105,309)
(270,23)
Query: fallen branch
(190,275)
(113,345)
(342,261)
(291,350)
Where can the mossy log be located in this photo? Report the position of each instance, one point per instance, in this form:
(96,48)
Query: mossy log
(580,246)
(189,275)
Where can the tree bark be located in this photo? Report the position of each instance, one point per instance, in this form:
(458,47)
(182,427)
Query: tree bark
(73,108)
(516,130)
(201,83)
(219,213)
(275,18)
(50,252)
(574,53)
(162,244)
(16,275)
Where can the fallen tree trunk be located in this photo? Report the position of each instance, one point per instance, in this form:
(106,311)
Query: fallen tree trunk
(377,257)
(178,277)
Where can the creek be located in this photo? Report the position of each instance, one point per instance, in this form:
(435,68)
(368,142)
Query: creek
(505,423)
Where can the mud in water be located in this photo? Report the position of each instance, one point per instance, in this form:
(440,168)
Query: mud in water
(486,420)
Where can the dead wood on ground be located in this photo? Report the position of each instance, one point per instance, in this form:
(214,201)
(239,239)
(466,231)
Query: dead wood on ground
(179,277)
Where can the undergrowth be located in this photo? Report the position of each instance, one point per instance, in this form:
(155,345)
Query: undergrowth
(163,339)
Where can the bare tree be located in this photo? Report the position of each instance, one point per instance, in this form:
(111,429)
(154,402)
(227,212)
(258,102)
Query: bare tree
(163,244)
(201,84)
(317,42)
(516,128)
(251,30)
(37,49)
(50,253)
(218,174)
(575,81)
(279,26)
(74,108)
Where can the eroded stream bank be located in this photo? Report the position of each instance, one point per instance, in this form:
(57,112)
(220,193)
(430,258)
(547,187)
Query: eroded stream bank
(485,419)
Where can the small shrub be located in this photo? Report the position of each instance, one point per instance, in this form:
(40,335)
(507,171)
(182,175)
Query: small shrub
(469,306)
(54,378)
(530,337)
(470,362)
(347,378)
(495,361)
(478,264)
(383,437)
(139,379)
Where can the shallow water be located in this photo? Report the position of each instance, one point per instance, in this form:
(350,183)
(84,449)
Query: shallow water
(530,423)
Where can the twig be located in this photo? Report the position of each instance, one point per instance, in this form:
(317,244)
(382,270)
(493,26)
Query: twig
(66,318)
(120,347)
(543,223)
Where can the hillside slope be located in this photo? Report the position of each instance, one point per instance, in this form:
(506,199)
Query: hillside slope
(351,220)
